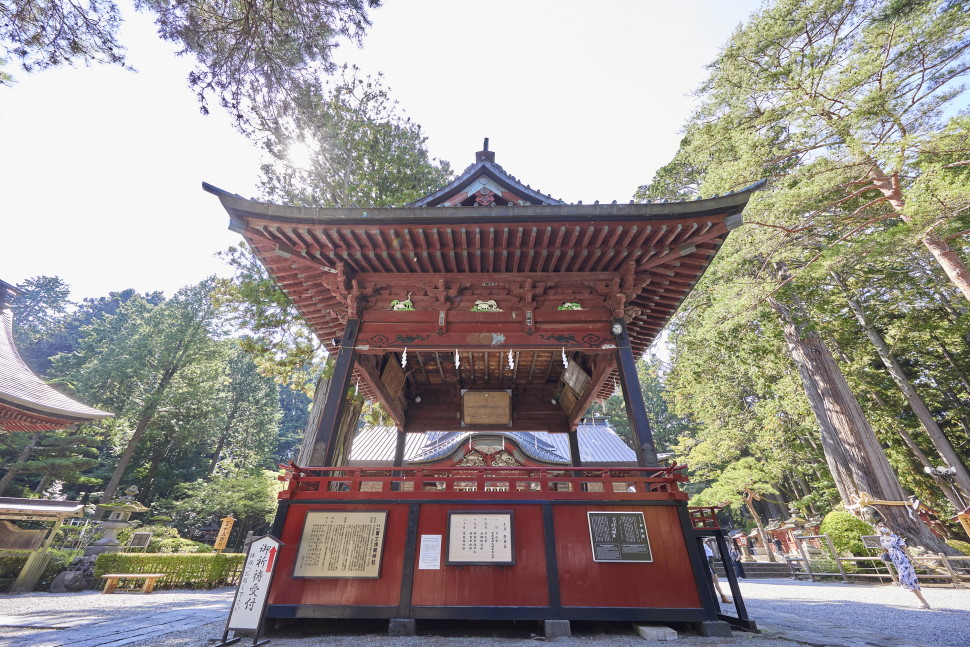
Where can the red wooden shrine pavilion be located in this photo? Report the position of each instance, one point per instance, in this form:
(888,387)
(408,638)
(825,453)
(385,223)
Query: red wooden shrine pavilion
(488,306)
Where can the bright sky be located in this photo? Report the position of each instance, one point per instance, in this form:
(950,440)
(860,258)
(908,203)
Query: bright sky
(101,168)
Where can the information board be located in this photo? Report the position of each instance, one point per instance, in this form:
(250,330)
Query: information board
(481,538)
(341,544)
(140,540)
(247,607)
(619,537)
(429,557)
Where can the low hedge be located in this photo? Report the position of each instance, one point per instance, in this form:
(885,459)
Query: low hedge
(182,570)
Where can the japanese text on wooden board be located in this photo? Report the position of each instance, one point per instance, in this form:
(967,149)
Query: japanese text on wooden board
(480,538)
(247,609)
(619,537)
(341,544)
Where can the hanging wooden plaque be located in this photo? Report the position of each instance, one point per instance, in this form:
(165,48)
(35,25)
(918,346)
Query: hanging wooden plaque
(486,407)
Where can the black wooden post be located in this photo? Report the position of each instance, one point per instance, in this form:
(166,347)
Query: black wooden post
(333,409)
(636,411)
(399,449)
(574,455)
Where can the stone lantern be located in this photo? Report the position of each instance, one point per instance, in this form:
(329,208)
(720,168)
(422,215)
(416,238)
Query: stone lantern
(117,514)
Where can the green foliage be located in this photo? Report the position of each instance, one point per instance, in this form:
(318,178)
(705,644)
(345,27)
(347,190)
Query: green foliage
(962,546)
(829,566)
(340,145)
(274,334)
(847,109)
(12,563)
(846,530)
(666,426)
(165,539)
(181,571)
(47,33)
(40,315)
(244,51)
(249,497)
(188,401)
(345,144)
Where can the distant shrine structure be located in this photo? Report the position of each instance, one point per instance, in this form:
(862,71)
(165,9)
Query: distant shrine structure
(489,316)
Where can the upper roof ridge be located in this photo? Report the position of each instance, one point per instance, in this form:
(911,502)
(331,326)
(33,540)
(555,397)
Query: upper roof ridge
(487,180)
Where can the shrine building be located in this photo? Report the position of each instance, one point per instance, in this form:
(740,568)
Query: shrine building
(27,403)
(486,319)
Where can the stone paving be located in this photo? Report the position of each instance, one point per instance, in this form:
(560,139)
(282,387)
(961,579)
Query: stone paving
(788,613)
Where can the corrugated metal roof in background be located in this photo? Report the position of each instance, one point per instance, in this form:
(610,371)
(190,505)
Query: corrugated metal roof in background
(599,445)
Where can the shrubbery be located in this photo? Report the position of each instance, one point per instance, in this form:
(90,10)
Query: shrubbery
(11,564)
(165,539)
(183,571)
(961,546)
(846,532)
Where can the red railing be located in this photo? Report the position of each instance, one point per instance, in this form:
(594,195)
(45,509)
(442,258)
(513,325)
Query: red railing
(704,517)
(528,483)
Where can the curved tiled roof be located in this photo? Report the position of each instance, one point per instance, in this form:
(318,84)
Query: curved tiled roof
(439,444)
(20,389)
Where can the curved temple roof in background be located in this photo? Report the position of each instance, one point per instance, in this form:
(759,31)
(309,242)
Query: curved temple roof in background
(27,403)
(599,446)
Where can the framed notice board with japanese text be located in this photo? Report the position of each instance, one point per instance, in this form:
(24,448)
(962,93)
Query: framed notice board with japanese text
(619,537)
(347,544)
(481,538)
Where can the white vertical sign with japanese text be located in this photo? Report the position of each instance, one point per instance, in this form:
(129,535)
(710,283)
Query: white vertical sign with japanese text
(247,608)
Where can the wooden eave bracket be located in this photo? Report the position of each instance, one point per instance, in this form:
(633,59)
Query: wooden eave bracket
(603,366)
(368,366)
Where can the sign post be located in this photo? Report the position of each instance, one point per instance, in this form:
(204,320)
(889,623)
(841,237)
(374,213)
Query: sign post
(223,537)
(249,604)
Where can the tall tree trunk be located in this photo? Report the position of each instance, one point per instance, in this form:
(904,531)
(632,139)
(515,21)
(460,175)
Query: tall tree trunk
(920,455)
(147,413)
(122,465)
(348,429)
(217,454)
(952,265)
(42,483)
(148,482)
(948,259)
(806,492)
(857,461)
(25,453)
(765,539)
(936,435)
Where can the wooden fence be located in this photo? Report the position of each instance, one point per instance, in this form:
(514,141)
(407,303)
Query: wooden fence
(929,568)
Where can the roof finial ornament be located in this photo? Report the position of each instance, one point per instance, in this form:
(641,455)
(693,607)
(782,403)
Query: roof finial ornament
(485,155)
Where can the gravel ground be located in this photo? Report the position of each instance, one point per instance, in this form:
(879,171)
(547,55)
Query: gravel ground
(790,613)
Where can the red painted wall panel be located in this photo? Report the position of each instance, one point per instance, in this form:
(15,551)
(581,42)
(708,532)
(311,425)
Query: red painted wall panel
(667,582)
(522,585)
(384,591)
